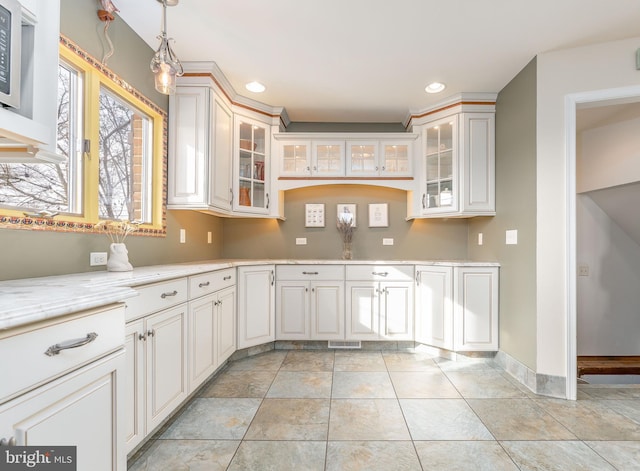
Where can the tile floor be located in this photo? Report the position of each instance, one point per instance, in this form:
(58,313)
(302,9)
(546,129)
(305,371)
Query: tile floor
(391,411)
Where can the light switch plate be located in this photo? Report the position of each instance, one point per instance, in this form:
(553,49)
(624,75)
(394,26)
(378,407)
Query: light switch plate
(387,241)
(183,236)
(209,239)
(301,241)
(511,237)
(480,238)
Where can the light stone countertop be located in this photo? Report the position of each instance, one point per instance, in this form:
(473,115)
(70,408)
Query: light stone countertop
(35,299)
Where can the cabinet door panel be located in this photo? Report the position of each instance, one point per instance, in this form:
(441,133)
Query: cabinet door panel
(434,310)
(202,359)
(256,305)
(226,335)
(188,146)
(327,311)
(221,158)
(134,425)
(479,162)
(363,320)
(79,409)
(476,309)
(398,310)
(292,310)
(166,371)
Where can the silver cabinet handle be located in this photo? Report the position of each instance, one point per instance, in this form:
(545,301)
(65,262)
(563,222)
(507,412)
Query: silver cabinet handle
(57,348)
(151,332)
(308,168)
(268,201)
(166,295)
(231,200)
(204,285)
(226,278)
(309,272)
(380,273)
(10,442)
(272,277)
(424,201)
(142,337)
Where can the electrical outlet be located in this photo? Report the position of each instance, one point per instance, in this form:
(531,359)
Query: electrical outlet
(97,258)
(583,270)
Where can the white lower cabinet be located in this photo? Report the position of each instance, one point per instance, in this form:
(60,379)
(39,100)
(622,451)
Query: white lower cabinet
(75,368)
(379,310)
(434,306)
(310,310)
(457,307)
(475,311)
(310,302)
(256,305)
(212,334)
(156,370)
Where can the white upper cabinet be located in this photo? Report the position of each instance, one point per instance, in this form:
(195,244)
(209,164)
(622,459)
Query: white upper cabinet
(456,174)
(200,150)
(305,158)
(252,166)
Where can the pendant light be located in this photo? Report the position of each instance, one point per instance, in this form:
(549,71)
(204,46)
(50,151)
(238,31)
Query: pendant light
(165,65)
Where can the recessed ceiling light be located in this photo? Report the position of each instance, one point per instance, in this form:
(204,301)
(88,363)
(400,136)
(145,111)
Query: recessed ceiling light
(435,87)
(255,87)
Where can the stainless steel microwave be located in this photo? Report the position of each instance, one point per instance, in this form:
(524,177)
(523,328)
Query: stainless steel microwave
(10,52)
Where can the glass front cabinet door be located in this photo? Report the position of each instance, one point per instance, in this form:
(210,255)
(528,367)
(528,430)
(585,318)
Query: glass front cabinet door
(252,169)
(440,166)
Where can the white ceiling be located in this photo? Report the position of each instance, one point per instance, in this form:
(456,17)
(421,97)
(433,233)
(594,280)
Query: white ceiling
(369,60)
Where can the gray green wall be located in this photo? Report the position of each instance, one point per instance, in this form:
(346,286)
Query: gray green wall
(26,253)
(436,239)
(516,209)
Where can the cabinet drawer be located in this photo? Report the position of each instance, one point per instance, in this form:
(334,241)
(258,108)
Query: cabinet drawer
(24,359)
(199,285)
(156,297)
(380,272)
(310,272)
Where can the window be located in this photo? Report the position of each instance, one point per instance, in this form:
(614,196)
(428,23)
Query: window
(113,140)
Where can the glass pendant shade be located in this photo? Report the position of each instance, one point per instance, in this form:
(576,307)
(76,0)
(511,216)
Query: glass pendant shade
(165,65)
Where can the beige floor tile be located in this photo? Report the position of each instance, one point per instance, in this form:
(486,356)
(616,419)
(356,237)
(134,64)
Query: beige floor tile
(239,384)
(483,384)
(362,384)
(464,456)
(518,419)
(269,361)
(423,385)
(192,455)
(442,419)
(301,385)
(372,456)
(591,420)
(279,456)
(214,419)
(359,361)
(555,456)
(290,419)
(602,391)
(624,456)
(466,364)
(629,408)
(397,361)
(307,361)
(367,419)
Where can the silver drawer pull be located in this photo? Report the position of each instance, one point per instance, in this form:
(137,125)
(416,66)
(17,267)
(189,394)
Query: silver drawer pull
(57,348)
(10,442)
(204,285)
(226,278)
(380,273)
(309,272)
(166,295)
